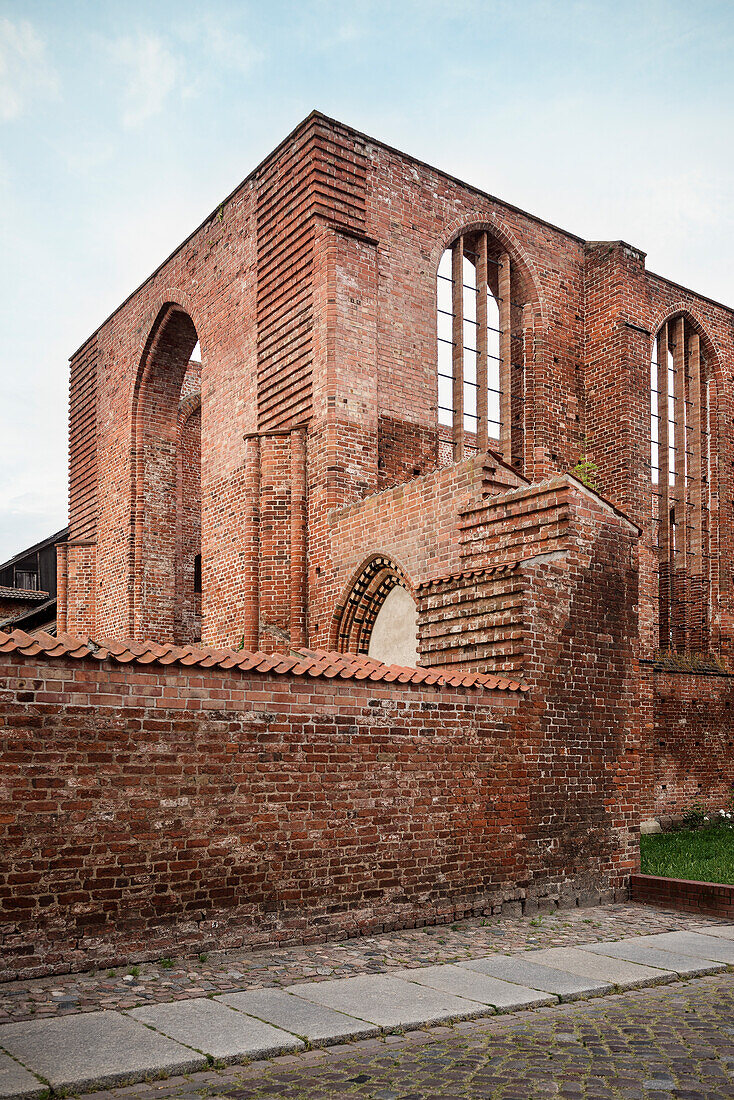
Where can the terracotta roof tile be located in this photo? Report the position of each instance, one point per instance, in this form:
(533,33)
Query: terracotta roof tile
(303,662)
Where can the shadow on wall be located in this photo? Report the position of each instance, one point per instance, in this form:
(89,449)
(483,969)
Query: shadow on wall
(394,638)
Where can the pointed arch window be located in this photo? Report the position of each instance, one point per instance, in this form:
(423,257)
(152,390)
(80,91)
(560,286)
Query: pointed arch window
(679,466)
(474,330)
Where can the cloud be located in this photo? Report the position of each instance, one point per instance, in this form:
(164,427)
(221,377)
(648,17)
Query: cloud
(25,70)
(156,69)
(228,46)
(85,156)
(215,44)
(153,74)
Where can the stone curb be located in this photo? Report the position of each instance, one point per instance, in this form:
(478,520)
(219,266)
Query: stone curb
(104,1049)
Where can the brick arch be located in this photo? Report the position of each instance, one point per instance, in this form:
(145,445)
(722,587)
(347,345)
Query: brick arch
(486,401)
(155,446)
(170,297)
(363,600)
(188,406)
(693,316)
(472,223)
(714,370)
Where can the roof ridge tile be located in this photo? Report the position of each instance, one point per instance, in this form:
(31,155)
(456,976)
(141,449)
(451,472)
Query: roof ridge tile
(314,663)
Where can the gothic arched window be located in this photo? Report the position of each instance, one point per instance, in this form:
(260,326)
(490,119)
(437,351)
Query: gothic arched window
(478,324)
(679,467)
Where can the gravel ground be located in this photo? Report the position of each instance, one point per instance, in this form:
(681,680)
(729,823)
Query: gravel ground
(196,976)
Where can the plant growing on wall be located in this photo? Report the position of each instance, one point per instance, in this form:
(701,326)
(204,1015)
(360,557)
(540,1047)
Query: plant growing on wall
(586,470)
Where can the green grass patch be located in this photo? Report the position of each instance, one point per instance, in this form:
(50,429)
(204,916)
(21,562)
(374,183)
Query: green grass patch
(704,855)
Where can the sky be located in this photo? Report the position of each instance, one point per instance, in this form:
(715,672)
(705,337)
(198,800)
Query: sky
(123,124)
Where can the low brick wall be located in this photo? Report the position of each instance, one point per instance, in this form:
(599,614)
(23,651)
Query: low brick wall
(149,809)
(710,899)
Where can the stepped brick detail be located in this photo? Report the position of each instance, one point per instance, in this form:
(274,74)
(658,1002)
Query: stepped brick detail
(474,619)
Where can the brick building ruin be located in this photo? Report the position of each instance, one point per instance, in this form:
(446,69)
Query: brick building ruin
(369,411)
(376,336)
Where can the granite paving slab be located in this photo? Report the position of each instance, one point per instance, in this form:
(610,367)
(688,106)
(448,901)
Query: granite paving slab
(650,1044)
(95,1050)
(502,996)
(321,1026)
(16,1083)
(702,946)
(514,968)
(197,975)
(389,1002)
(217,1030)
(726,931)
(623,974)
(686,966)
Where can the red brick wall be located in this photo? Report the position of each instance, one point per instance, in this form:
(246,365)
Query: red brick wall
(274,577)
(417,524)
(78,560)
(10,607)
(625,306)
(690,737)
(83,442)
(187,623)
(14,605)
(146,809)
(404,451)
(474,620)
(149,808)
(414,212)
(212,278)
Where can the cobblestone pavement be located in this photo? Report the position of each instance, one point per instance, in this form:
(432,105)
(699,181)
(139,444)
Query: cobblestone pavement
(197,976)
(651,1044)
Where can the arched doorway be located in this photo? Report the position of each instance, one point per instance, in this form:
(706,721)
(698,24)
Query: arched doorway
(166,489)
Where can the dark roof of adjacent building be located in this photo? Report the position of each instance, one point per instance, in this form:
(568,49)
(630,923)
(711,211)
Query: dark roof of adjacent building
(23,594)
(59,536)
